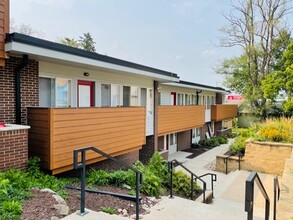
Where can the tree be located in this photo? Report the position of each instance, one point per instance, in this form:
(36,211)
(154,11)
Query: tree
(25,29)
(255,26)
(70,42)
(87,43)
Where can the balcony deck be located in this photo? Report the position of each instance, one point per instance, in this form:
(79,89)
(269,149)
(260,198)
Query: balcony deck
(223,112)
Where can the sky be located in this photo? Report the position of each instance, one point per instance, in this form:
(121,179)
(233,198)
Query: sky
(179,36)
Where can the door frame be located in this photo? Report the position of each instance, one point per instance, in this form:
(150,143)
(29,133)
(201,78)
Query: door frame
(174,97)
(92,91)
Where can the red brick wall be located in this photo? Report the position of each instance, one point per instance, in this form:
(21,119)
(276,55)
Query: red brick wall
(13,149)
(184,140)
(29,89)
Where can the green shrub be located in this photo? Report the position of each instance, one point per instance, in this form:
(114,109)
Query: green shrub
(108,210)
(99,177)
(222,139)
(211,143)
(157,166)
(152,184)
(238,146)
(10,210)
(181,184)
(231,135)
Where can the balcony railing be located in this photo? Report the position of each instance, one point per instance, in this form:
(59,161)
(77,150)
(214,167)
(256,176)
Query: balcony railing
(222,112)
(179,118)
(56,132)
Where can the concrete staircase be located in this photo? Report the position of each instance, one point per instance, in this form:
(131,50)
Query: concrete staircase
(285,204)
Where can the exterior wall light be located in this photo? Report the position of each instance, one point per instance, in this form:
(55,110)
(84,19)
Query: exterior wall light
(86,74)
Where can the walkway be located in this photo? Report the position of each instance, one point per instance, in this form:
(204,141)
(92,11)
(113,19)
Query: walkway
(228,203)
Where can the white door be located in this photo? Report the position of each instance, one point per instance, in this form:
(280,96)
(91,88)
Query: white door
(85,94)
(172,143)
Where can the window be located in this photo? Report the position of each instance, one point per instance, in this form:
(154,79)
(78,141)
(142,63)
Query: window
(180,99)
(150,101)
(46,92)
(193,99)
(54,92)
(203,100)
(193,132)
(208,102)
(173,139)
(134,96)
(126,95)
(143,97)
(198,132)
(115,95)
(213,100)
(105,95)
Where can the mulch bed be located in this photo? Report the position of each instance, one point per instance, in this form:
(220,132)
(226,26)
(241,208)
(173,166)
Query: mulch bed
(196,151)
(41,205)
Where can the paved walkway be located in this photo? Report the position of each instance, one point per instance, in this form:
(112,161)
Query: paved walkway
(228,203)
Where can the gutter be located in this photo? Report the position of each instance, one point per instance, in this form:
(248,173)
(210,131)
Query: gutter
(197,92)
(17,75)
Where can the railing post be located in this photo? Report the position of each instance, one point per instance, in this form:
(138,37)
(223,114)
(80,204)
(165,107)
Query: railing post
(249,192)
(170,166)
(239,157)
(275,197)
(137,196)
(191,187)
(82,184)
(226,162)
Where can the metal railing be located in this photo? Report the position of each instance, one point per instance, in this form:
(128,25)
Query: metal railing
(82,165)
(226,159)
(249,195)
(193,179)
(276,194)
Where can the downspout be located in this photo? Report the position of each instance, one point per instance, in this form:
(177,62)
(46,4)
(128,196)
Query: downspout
(197,92)
(18,88)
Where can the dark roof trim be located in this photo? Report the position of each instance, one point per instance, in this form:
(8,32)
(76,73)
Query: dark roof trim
(201,85)
(25,39)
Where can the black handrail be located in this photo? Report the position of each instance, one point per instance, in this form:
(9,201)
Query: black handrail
(226,162)
(276,194)
(213,179)
(193,176)
(249,195)
(82,165)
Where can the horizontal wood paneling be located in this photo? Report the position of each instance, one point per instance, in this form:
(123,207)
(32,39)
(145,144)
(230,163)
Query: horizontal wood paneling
(222,112)
(39,134)
(179,118)
(115,131)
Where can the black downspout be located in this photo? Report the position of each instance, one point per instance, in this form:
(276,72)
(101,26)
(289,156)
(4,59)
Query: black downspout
(18,88)
(197,92)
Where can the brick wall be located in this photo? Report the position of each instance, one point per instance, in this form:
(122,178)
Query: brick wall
(184,140)
(129,159)
(29,89)
(13,149)
(147,150)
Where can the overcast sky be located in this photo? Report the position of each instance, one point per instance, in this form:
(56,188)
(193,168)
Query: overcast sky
(172,35)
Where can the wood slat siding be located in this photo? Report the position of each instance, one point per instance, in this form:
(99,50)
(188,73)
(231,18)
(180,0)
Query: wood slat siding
(4,28)
(222,112)
(39,134)
(179,118)
(115,131)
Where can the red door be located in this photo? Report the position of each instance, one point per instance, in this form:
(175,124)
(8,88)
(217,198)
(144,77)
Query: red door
(85,94)
(173,98)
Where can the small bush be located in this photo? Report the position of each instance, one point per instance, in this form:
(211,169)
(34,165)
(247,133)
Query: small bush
(211,143)
(181,184)
(108,210)
(238,146)
(99,177)
(222,139)
(272,134)
(10,210)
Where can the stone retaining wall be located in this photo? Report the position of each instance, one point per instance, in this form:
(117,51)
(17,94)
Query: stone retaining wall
(265,157)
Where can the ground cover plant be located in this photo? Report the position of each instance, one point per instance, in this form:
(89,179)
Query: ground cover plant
(15,187)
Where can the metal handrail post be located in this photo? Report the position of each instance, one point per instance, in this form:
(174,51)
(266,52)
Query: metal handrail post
(191,187)
(170,165)
(137,196)
(82,184)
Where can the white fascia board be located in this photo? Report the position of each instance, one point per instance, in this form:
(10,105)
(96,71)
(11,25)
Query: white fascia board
(193,87)
(60,56)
